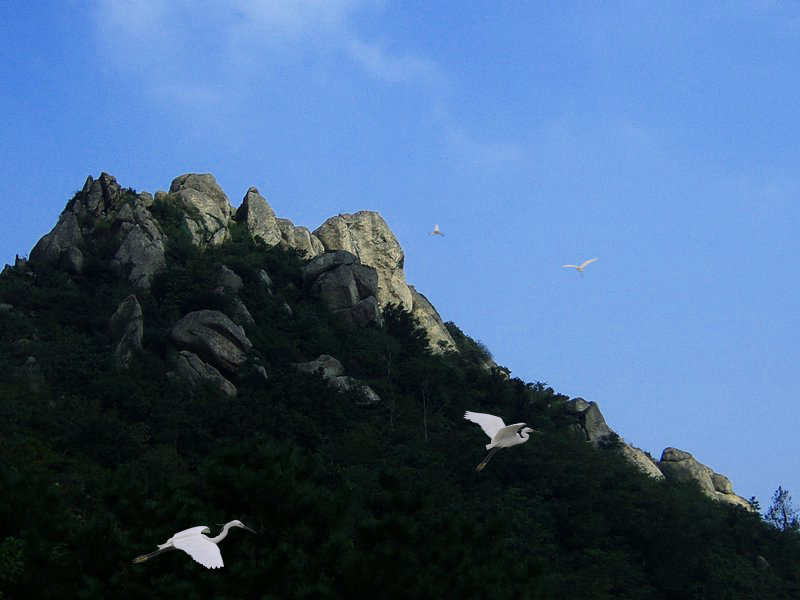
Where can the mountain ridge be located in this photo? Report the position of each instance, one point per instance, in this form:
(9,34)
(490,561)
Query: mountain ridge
(231,373)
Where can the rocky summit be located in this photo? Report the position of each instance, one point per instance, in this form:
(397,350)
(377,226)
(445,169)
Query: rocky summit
(138,242)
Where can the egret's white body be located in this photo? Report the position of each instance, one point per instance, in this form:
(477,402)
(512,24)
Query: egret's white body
(502,435)
(580,269)
(436,231)
(196,544)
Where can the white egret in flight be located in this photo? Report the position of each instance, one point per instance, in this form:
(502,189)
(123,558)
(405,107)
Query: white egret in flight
(200,547)
(436,231)
(503,436)
(580,269)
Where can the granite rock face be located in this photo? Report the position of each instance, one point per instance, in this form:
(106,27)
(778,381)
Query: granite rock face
(590,421)
(208,210)
(641,460)
(367,236)
(61,248)
(432,323)
(346,287)
(103,208)
(259,218)
(683,467)
(299,238)
(127,327)
(213,337)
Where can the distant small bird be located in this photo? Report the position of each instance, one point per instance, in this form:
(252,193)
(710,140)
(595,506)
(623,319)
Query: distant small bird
(580,269)
(200,547)
(503,436)
(436,231)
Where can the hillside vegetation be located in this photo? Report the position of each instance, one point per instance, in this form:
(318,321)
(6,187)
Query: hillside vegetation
(99,464)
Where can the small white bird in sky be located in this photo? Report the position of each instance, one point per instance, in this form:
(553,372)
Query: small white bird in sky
(200,547)
(503,436)
(580,269)
(436,231)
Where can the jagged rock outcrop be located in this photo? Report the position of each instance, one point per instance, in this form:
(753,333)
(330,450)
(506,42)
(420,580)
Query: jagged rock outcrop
(299,238)
(333,372)
(590,422)
(103,208)
(345,286)
(212,336)
(367,236)
(61,248)
(127,327)
(683,467)
(641,460)
(259,218)
(209,210)
(674,464)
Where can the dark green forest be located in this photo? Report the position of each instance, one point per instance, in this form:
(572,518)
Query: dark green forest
(99,464)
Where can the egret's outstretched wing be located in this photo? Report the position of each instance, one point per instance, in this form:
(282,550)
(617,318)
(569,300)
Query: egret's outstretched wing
(507,431)
(191,531)
(185,533)
(201,549)
(574,266)
(489,423)
(587,262)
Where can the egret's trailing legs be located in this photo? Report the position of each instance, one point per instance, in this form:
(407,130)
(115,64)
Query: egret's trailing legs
(144,557)
(486,460)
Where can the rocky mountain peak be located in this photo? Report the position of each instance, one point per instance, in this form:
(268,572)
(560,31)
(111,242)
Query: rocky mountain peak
(139,242)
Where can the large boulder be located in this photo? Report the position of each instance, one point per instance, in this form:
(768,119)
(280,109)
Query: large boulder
(61,248)
(228,279)
(192,369)
(212,336)
(366,235)
(208,210)
(345,286)
(259,218)
(333,372)
(681,466)
(127,328)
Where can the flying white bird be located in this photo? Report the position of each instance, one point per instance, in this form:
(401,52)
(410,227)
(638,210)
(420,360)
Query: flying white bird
(200,547)
(436,231)
(580,269)
(503,436)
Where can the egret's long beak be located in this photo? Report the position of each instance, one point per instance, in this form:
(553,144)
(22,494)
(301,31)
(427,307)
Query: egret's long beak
(246,527)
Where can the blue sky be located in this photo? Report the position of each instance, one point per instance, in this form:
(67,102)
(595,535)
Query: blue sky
(661,138)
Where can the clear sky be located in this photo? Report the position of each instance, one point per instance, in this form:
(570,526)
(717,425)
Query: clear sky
(661,138)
